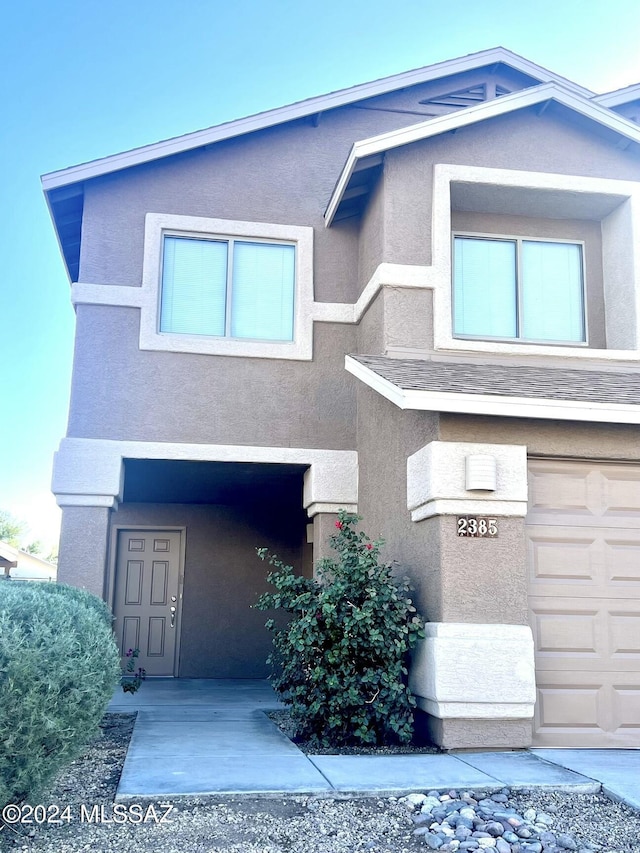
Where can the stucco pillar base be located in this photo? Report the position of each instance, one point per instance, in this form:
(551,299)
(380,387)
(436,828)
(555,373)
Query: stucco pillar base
(476,683)
(83,547)
(473,734)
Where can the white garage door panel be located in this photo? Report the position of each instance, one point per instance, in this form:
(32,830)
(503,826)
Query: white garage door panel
(579,562)
(602,636)
(582,493)
(583,531)
(599,710)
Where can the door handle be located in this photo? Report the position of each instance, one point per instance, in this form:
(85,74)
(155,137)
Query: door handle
(173,616)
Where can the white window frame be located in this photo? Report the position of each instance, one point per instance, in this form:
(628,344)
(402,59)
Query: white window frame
(621,261)
(519,240)
(157,225)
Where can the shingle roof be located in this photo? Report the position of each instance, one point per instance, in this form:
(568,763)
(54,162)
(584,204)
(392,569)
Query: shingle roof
(547,383)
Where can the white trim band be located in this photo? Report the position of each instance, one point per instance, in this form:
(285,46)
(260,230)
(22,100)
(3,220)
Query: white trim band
(89,471)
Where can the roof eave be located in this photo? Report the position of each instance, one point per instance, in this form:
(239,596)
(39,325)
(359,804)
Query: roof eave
(455,402)
(619,96)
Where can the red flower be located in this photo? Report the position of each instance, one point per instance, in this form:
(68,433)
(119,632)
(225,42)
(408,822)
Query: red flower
(339,525)
(369,546)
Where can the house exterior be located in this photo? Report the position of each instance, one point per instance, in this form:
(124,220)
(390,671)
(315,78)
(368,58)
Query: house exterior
(16,564)
(418,298)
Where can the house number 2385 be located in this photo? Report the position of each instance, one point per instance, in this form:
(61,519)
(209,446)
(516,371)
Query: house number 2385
(474,525)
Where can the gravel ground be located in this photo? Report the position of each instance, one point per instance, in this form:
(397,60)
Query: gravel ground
(294,824)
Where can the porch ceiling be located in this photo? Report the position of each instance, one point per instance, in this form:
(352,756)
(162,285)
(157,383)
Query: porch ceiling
(178,481)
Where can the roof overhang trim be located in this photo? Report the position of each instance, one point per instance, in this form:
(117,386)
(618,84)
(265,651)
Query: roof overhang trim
(454,402)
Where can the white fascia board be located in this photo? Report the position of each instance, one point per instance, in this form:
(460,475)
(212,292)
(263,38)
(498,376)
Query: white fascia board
(472,115)
(301,109)
(618,96)
(493,404)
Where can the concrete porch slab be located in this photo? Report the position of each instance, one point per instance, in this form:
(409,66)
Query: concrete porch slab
(256,736)
(520,769)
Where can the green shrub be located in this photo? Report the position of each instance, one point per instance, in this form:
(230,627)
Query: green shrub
(340,662)
(59,666)
(83,597)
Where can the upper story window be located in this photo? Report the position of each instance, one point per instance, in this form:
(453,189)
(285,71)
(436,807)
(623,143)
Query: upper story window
(227,287)
(510,288)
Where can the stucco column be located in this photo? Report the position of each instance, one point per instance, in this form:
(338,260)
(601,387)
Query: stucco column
(82,555)
(473,675)
(324,526)
(328,488)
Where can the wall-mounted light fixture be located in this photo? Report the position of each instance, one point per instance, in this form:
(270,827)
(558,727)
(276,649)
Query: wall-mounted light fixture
(480,473)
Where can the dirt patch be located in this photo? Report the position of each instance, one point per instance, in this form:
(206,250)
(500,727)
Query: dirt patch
(283,720)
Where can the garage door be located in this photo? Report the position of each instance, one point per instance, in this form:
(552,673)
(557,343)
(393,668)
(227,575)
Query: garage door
(583,531)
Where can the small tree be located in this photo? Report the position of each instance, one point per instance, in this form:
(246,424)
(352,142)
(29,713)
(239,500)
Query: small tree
(340,661)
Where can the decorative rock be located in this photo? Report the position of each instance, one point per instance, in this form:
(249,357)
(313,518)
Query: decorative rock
(566,842)
(469,844)
(545,818)
(486,842)
(415,799)
(467,813)
(433,842)
(462,833)
(530,815)
(430,803)
(421,830)
(494,828)
(511,837)
(533,847)
(547,838)
(500,798)
(502,846)
(523,832)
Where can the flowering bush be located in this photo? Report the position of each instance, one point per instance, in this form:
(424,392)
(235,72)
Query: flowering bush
(132,678)
(340,662)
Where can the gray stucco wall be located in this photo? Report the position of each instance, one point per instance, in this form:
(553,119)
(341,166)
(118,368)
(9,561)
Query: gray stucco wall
(455,580)
(119,392)
(386,436)
(567,439)
(221,635)
(286,175)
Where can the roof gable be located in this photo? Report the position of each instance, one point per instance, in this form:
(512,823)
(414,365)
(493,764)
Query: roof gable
(308,107)
(367,153)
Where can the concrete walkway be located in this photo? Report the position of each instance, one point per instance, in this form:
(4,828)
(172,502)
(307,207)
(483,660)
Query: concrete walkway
(199,736)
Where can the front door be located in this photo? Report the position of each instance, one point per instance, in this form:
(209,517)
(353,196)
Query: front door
(146,601)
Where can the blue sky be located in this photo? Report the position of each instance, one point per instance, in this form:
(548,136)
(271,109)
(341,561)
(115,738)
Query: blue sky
(80,80)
